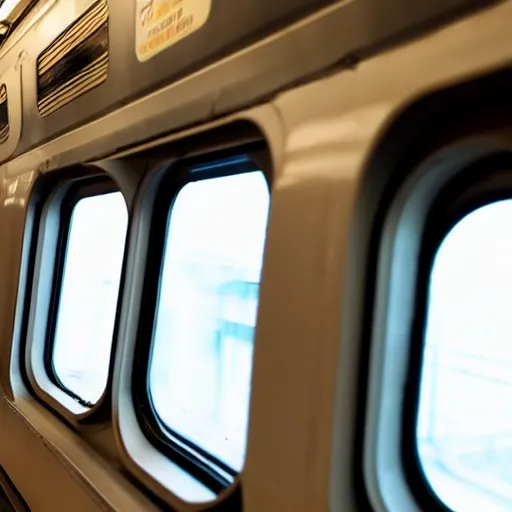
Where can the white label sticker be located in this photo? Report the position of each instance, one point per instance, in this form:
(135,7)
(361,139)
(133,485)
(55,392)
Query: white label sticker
(162,23)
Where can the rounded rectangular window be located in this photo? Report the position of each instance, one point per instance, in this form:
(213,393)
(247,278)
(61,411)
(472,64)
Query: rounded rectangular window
(201,360)
(464,426)
(90,279)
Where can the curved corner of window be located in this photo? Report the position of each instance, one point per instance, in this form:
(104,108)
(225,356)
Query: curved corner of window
(464,424)
(79,261)
(201,338)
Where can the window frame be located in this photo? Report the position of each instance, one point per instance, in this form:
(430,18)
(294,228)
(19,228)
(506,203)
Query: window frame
(451,174)
(481,183)
(206,468)
(75,193)
(54,201)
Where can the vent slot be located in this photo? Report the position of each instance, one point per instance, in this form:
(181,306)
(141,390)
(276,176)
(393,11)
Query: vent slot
(76,62)
(4,115)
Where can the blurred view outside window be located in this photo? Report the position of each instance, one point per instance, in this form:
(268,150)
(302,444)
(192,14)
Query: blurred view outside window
(201,363)
(464,430)
(90,288)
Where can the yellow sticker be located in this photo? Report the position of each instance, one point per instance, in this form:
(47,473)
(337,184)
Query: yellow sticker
(162,23)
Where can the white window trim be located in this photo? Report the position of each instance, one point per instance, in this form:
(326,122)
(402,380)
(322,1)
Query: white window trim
(395,299)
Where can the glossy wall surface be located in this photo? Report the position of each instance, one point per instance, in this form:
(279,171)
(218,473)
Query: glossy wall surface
(346,32)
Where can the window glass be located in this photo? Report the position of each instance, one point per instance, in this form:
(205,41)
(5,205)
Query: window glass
(88,300)
(201,362)
(464,430)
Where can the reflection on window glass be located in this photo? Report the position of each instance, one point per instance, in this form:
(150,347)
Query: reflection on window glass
(90,287)
(464,430)
(201,361)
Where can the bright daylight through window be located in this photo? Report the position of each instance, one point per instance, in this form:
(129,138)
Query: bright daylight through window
(88,300)
(464,430)
(200,371)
